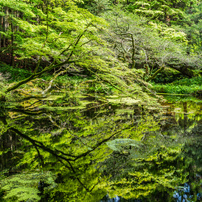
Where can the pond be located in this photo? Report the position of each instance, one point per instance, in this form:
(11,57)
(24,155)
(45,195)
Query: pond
(171,169)
(105,152)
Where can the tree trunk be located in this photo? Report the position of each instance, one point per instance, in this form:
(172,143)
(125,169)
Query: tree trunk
(4,29)
(185,70)
(12,41)
(1,25)
(155,74)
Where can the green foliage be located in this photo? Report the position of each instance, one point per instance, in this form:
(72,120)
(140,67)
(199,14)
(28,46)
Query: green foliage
(64,37)
(167,76)
(96,6)
(62,124)
(148,45)
(148,167)
(169,33)
(54,36)
(186,14)
(166,11)
(137,184)
(183,86)
(188,82)
(193,27)
(71,143)
(24,187)
(13,74)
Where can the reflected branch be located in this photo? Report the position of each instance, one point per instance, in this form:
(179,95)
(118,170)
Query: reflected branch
(40,145)
(40,156)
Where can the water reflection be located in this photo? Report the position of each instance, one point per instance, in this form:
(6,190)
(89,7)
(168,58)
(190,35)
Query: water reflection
(104,152)
(155,176)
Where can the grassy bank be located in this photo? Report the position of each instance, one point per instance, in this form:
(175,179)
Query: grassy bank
(187,86)
(191,86)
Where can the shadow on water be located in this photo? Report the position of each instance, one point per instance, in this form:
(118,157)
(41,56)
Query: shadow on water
(103,152)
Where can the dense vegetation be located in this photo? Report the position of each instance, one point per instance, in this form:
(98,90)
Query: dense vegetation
(65,69)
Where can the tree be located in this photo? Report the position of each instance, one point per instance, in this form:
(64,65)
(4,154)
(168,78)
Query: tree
(149,46)
(193,27)
(65,41)
(169,12)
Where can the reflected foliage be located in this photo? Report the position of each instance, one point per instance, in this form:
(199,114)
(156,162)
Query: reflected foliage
(85,154)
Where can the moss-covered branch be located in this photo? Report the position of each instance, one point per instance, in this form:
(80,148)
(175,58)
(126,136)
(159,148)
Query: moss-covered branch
(52,65)
(155,74)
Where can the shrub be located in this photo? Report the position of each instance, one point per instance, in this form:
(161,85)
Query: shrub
(13,74)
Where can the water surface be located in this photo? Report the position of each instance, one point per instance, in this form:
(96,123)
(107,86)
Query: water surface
(107,151)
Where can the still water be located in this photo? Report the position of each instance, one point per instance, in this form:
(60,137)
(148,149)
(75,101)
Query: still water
(171,168)
(106,152)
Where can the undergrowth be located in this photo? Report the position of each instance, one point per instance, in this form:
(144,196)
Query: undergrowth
(184,86)
(13,74)
(167,76)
